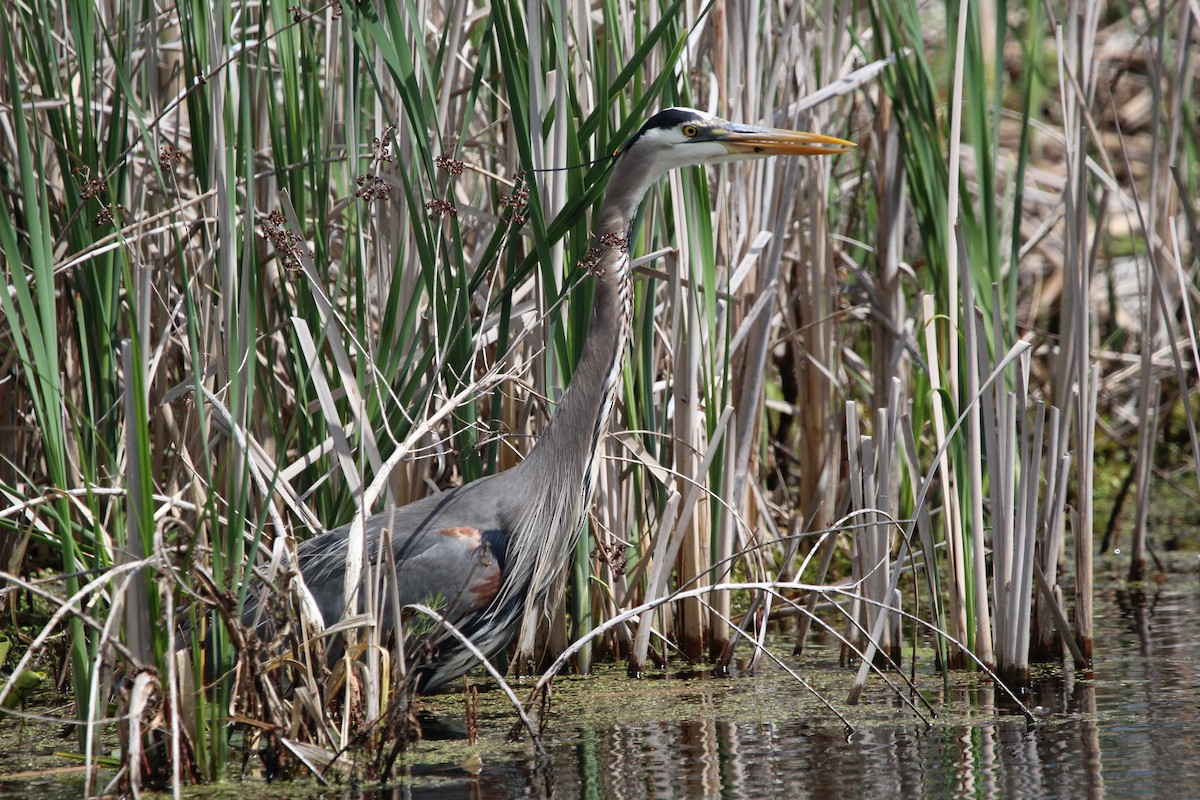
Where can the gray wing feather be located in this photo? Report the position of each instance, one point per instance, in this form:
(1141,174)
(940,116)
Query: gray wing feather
(443,546)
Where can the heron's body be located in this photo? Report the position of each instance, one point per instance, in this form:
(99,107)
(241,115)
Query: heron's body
(490,553)
(450,552)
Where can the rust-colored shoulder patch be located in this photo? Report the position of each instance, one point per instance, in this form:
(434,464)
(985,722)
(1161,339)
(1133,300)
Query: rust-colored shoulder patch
(472,535)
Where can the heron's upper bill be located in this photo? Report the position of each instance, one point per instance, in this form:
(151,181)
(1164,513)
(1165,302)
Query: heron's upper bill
(775,142)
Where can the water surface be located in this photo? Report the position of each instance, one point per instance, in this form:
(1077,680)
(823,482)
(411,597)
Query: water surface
(1129,730)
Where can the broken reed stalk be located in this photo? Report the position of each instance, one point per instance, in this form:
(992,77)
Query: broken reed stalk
(1016,455)
(1082,519)
(1012,438)
(873,467)
(921,496)
(860,561)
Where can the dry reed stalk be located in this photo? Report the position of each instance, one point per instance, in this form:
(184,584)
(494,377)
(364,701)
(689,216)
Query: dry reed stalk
(814,354)
(888,346)
(689,434)
(1075,375)
(1046,643)
(1083,521)
(984,643)
(928,549)
(720,603)
(655,580)
(860,617)
(951,517)
(1156,211)
(963,315)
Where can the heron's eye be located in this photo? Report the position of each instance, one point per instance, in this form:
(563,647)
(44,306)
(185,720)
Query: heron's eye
(690,131)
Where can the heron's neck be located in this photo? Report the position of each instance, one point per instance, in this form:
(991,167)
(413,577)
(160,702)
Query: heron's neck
(562,467)
(569,450)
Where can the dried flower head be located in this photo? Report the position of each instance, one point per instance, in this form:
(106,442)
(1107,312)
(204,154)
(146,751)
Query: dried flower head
(450,164)
(290,247)
(382,145)
(519,197)
(441,208)
(614,241)
(608,241)
(516,201)
(591,262)
(373,187)
(615,556)
(168,157)
(93,187)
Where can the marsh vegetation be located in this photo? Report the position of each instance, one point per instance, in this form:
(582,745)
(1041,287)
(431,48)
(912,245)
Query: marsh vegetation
(267,267)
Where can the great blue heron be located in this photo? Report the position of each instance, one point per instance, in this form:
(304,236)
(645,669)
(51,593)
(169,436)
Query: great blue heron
(491,550)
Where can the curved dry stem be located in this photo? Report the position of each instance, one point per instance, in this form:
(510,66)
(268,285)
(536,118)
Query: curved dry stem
(475,651)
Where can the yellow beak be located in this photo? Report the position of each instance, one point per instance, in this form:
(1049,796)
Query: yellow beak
(775,142)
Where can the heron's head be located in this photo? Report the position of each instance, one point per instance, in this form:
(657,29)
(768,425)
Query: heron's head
(681,137)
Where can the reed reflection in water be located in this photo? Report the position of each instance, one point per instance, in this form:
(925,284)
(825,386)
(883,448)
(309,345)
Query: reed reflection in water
(1131,730)
(1003,758)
